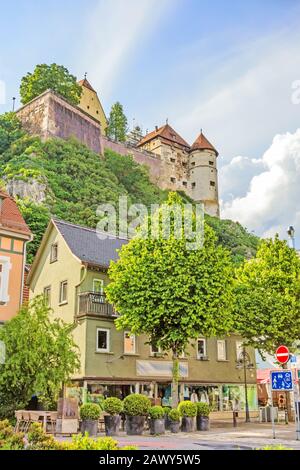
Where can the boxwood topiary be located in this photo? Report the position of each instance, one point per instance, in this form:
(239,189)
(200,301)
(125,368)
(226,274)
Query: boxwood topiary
(174,415)
(203,409)
(136,405)
(90,411)
(188,409)
(156,412)
(113,406)
(167,410)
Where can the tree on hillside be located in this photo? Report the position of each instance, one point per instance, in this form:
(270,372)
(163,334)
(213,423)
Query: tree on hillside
(54,77)
(268,297)
(10,131)
(117,123)
(40,355)
(169,292)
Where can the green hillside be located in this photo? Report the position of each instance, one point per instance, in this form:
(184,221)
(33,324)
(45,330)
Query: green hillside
(75,181)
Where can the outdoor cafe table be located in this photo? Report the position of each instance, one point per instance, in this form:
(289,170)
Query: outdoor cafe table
(44,415)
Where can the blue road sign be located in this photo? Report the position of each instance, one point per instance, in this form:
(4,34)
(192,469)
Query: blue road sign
(282,380)
(293,359)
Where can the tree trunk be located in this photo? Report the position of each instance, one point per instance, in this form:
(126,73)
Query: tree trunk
(175,377)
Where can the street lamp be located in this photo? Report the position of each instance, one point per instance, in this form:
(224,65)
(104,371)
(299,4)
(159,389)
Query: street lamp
(244,362)
(291,234)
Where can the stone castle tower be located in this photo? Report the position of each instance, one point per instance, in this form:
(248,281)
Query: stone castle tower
(173,164)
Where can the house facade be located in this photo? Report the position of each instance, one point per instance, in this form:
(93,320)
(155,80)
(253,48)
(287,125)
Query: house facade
(70,270)
(14,236)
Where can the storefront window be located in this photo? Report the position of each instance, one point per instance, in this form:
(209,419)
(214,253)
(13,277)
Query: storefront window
(234,397)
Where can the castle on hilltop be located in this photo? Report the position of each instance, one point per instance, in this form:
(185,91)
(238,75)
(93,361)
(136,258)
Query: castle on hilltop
(173,164)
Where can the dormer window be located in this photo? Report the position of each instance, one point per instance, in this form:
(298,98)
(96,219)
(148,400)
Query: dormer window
(54,253)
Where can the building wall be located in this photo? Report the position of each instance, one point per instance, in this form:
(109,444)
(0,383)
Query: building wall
(50,115)
(12,251)
(90,103)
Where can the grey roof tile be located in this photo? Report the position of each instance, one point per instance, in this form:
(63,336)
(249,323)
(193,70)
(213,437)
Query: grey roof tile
(87,246)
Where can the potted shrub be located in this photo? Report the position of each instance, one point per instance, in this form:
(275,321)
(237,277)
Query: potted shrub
(167,410)
(112,406)
(157,420)
(203,411)
(174,421)
(89,414)
(136,408)
(188,411)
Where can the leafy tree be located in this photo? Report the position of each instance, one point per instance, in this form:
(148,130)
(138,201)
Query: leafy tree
(37,217)
(10,131)
(54,77)
(268,297)
(117,123)
(40,356)
(169,292)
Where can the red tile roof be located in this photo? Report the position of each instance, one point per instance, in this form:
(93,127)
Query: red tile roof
(201,143)
(167,133)
(86,83)
(10,216)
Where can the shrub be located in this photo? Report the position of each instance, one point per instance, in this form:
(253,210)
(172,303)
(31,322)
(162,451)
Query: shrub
(174,415)
(84,442)
(113,406)
(274,447)
(188,409)
(136,405)
(90,411)
(156,412)
(9,440)
(167,410)
(38,440)
(203,409)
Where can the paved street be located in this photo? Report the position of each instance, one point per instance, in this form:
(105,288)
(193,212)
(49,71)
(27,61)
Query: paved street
(222,437)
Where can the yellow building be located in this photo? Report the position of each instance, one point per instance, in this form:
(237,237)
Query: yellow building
(91,104)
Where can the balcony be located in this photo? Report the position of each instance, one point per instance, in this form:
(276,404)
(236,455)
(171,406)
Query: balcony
(94,304)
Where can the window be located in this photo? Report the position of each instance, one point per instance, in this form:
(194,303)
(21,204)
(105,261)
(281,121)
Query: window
(193,185)
(5,267)
(239,349)
(213,184)
(193,163)
(103,336)
(154,350)
(47,295)
(173,180)
(184,164)
(129,343)
(172,160)
(201,348)
(54,253)
(184,183)
(63,292)
(98,286)
(221,350)
(211,163)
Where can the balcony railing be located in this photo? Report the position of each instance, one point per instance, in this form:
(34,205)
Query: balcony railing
(95,304)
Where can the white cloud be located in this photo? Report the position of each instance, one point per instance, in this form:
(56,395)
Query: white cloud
(272,201)
(114,30)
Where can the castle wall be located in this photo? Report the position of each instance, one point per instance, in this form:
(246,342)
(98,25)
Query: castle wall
(50,115)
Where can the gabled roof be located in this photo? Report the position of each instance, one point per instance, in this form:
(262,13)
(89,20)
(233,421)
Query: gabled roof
(86,84)
(201,143)
(10,216)
(87,246)
(167,133)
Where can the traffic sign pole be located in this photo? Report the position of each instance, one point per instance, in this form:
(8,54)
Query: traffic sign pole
(272,409)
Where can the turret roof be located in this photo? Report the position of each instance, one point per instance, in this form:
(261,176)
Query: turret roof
(201,143)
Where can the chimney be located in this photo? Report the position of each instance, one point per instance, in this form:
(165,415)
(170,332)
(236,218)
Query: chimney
(156,128)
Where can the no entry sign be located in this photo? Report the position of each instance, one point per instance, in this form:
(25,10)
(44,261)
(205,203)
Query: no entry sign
(282,354)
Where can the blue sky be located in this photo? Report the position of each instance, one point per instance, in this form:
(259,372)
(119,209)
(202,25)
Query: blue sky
(224,66)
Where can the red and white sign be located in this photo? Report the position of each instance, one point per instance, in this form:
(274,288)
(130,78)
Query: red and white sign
(282,354)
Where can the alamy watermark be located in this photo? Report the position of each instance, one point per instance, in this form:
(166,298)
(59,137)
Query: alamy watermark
(181,221)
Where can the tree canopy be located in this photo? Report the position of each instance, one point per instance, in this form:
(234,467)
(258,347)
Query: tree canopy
(117,123)
(267,293)
(10,131)
(169,292)
(54,77)
(40,355)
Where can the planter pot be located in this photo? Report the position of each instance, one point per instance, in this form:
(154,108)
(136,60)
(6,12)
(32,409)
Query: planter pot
(187,424)
(174,426)
(202,423)
(112,425)
(135,425)
(157,426)
(90,426)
